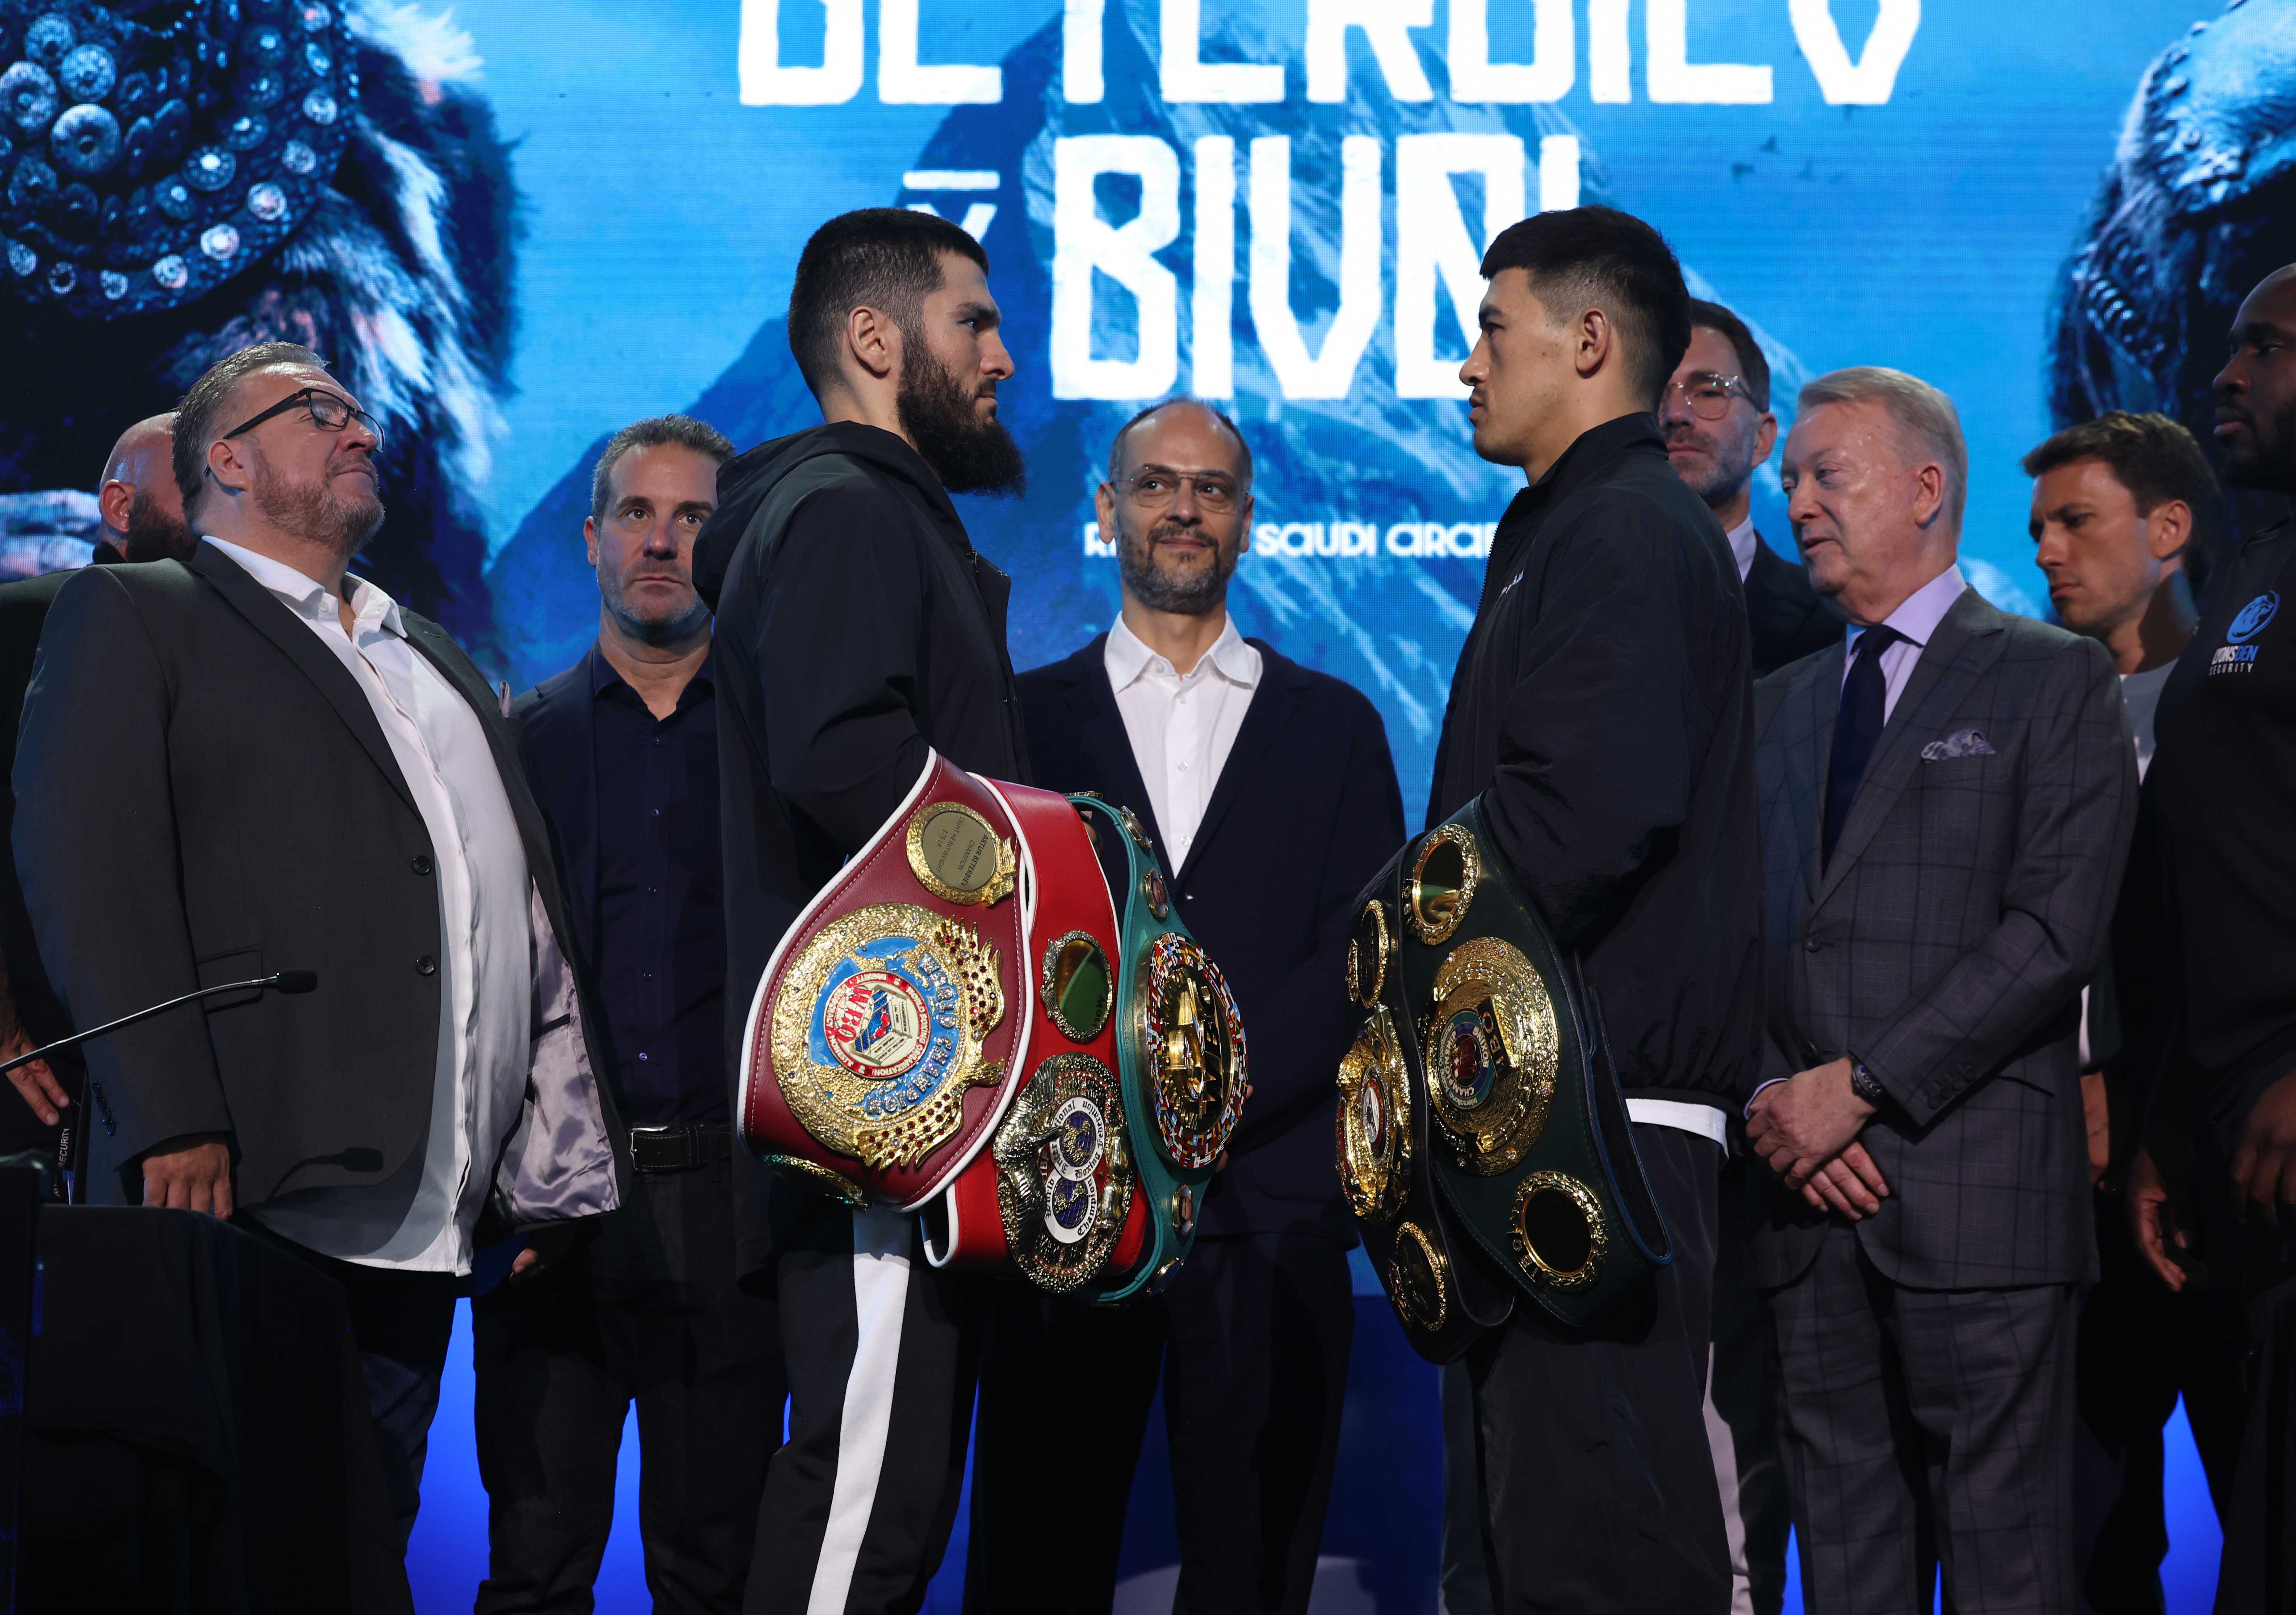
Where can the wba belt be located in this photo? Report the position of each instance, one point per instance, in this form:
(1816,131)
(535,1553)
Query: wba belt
(1483,1142)
(962,1023)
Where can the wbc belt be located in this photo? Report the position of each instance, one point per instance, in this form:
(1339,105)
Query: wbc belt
(1483,1141)
(1180,1055)
(884,1042)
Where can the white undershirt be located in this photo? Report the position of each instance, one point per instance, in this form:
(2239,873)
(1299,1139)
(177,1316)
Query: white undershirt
(421,1217)
(1181,729)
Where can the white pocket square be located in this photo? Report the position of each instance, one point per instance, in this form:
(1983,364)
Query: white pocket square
(1961,742)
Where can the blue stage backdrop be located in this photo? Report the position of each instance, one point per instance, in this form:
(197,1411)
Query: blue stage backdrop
(522,224)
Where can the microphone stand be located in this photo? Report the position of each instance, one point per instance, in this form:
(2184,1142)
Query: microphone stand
(283,982)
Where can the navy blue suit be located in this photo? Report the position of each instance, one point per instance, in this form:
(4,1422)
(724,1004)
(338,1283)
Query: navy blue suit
(1252,1335)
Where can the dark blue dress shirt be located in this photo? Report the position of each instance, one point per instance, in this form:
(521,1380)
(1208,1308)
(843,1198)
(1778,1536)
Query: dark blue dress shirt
(661,926)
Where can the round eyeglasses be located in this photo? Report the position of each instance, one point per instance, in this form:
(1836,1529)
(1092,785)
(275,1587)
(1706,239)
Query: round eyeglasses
(1707,395)
(1153,490)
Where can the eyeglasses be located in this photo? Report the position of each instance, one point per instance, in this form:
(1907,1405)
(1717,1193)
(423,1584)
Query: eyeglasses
(1708,396)
(1153,490)
(329,412)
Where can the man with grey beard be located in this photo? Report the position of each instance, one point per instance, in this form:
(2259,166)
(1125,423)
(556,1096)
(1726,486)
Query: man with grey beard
(622,748)
(1273,799)
(254,760)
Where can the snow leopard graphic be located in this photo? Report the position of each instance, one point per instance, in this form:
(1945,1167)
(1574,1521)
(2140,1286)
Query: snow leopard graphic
(180,178)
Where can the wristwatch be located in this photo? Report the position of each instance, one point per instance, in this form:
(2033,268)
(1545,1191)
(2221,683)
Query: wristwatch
(1867,1086)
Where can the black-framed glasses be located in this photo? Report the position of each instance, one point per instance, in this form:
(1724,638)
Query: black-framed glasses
(1215,491)
(1708,395)
(329,412)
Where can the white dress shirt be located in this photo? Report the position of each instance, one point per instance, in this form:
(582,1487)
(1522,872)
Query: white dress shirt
(421,1217)
(1916,619)
(1741,545)
(1181,729)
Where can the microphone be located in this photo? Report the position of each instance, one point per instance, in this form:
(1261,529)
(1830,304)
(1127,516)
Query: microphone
(281,981)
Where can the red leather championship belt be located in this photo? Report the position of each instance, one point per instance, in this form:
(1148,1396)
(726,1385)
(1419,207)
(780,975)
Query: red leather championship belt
(884,1042)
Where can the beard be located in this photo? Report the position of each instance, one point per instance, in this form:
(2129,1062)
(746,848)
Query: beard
(1721,478)
(155,535)
(969,456)
(318,514)
(2266,457)
(660,632)
(1187,594)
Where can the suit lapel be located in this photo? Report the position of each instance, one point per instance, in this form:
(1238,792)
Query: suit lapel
(1092,700)
(1282,688)
(293,637)
(1813,703)
(1950,664)
(565,707)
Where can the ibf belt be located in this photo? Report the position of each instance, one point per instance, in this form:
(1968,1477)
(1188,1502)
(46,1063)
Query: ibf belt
(884,1042)
(1180,1056)
(1057,1194)
(1483,1139)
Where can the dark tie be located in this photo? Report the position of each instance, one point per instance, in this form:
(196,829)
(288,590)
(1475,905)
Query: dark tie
(1855,729)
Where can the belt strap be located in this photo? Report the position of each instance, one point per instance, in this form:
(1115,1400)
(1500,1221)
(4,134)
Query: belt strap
(695,1143)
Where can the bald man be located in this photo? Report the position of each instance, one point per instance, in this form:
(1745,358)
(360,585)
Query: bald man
(142,520)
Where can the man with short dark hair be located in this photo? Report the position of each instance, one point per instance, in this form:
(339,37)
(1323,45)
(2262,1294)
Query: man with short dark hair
(622,748)
(2214,1192)
(1947,803)
(142,520)
(1719,430)
(1600,711)
(254,760)
(859,632)
(1274,800)
(2120,505)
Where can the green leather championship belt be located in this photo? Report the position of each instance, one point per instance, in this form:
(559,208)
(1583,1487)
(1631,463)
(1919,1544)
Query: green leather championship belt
(1180,1054)
(1483,1140)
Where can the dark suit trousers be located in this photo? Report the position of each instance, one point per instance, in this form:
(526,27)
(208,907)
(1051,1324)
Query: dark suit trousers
(644,1310)
(1252,1340)
(1597,1477)
(2139,1349)
(1926,1428)
(401,1322)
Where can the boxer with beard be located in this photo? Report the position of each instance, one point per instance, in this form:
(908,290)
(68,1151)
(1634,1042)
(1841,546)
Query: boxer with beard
(1273,799)
(859,632)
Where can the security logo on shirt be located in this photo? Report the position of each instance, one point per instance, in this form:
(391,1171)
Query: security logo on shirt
(2237,655)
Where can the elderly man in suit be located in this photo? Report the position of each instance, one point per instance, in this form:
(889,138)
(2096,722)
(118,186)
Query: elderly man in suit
(1947,804)
(1274,800)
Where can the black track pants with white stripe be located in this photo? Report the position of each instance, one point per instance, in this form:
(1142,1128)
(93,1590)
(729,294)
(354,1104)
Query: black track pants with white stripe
(882,1352)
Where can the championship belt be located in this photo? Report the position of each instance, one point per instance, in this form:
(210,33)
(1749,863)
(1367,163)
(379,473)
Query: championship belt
(1180,1054)
(884,1044)
(1481,1127)
(960,1024)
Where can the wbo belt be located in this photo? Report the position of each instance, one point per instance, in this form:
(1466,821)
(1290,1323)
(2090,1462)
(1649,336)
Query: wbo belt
(697,1144)
(1483,1141)
(960,1024)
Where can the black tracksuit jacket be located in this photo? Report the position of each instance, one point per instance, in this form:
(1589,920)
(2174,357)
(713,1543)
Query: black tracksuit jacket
(1603,708)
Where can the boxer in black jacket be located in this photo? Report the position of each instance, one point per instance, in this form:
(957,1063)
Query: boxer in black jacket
(858,631)
(1273,799)
(1602,710)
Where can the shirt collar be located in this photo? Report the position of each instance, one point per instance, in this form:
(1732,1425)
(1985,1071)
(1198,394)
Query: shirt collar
(1741,545)
(604,677)
(309,599)
(1127,657)
(1917,616)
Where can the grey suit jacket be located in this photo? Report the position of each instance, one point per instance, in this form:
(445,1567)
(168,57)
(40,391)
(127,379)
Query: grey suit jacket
(1947,943)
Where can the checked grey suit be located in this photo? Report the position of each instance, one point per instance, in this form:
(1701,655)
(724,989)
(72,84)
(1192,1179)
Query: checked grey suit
(1926,1350)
